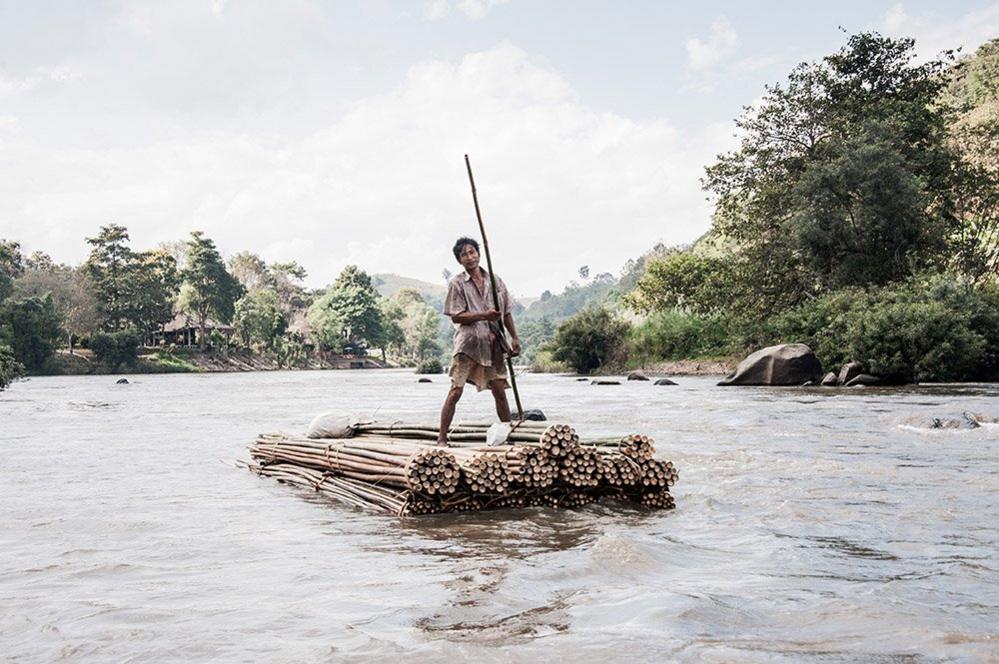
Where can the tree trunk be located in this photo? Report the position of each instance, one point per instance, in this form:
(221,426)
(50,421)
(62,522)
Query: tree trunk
(202,317)
(70,343)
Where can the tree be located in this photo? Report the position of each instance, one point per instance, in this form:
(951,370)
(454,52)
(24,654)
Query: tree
(154,287)
(589,339)
(353,304)
(584,272)
(31,328)
(259,319)
(325,326)
(11,266)
(210,289)
(10,368)
(110,268)
(72,293)
(685,281)
(114,349)
(794,198)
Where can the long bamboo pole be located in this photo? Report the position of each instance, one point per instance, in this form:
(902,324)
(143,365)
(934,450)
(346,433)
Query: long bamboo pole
(492,283)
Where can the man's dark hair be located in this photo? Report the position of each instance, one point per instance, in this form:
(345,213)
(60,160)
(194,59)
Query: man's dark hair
(462,241)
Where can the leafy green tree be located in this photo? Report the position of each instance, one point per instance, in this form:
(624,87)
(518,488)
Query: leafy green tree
(589,339)
(325,325)
(110,267)
(31,327)
(211,290)
(114,349)
(353,304)
(259,319)
(686,281)
(72,292)
(794,197)
(10,368)
(11,266)
(154,289)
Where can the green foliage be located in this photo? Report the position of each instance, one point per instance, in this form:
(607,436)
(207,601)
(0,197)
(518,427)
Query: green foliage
(683,280)
(430,366)
(31,327)
(259,319)
(133,289)
(11,266)
(671,335)
(114,349)
(928,329)
(534,334)
(71,290)
(348,310)
(842,177)
(572,299)
(211,290)
(589,339)
(10,368)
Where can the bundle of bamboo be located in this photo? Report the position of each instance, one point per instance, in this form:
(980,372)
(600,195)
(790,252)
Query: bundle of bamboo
(398,468)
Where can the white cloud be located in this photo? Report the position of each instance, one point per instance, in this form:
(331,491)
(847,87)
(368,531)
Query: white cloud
(12,85)
(384,186)
(471,9)
(720,44)
(934,36)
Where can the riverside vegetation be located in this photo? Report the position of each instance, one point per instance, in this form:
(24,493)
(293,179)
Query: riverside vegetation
(859,215)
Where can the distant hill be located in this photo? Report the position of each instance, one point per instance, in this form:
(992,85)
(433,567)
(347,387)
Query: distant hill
(388,285)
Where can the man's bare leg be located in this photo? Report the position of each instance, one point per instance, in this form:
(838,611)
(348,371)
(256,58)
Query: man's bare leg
(447,412)
(498,388)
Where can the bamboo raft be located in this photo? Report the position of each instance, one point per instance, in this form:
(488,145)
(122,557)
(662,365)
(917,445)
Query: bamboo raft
(398,468)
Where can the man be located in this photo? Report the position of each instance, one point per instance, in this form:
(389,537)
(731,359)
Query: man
(478,354)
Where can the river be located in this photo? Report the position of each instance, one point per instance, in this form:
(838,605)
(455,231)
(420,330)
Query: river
(812,525)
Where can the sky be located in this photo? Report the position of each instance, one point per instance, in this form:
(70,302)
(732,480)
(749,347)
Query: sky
(333,133)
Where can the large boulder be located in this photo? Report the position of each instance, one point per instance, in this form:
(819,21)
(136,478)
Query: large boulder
(863,379)
(849,371)
(829,380)
(786,364)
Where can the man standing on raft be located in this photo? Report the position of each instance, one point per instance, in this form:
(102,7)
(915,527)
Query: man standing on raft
(478,351)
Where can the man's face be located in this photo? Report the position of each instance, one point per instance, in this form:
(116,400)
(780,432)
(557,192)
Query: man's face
(469,258)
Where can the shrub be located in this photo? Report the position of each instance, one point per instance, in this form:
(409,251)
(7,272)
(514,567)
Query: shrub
(589,339)
(431,366)
(31,328)
(928,329)
(10,368)
(114,349)
(671,335)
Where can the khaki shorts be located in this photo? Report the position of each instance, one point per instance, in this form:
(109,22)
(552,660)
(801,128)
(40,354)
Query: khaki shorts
(466,370)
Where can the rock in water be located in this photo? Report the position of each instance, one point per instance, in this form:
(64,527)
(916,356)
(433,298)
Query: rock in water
(424,380)
(786,364)
(664,381)
(849,371)
(532,414)
(863,379)
(637,375)
(829,380)
(121,381)
(605,382)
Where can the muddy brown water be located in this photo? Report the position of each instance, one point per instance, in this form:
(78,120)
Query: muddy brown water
(812,525)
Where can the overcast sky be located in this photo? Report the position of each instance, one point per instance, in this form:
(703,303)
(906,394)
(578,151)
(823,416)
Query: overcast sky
(332,133)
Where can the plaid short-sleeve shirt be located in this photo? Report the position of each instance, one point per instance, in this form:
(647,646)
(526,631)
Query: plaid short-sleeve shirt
(475,340)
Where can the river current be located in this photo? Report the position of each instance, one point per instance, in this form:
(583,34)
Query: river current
(812,525)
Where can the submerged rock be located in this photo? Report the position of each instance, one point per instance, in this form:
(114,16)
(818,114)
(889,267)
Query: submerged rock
(637,375)
(849,371)
(121,381)
(424,380)
(663,381)
(605,382)
(863,380)
(785,364)
(532,414)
